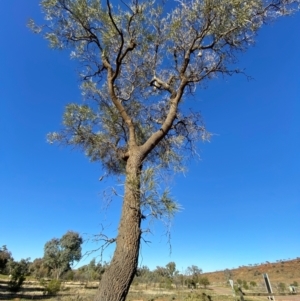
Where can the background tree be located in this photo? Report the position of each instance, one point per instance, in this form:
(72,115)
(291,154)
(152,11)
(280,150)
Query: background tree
(144,275)
(204,281)
(5,256)
(68,275)
(140,60)
(179,279)
(171,269)
(18,270)
(95,270)
(193,272)
(38,269)
(60,254)
(166,273)
(142,271)
(161,271)
(90,272)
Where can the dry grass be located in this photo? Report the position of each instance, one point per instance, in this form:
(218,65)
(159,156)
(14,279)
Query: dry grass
(216,294)
(285,271)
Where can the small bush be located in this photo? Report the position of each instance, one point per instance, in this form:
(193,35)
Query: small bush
(18,271)
(245,285)
(253,283)
(14,285)
(281,287)
(52,287)
(295,283)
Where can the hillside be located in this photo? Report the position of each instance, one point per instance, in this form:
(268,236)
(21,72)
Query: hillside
(285,271)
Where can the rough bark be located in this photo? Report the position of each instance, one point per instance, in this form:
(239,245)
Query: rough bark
(116,280)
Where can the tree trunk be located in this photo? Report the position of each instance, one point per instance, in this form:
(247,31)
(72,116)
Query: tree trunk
(116,280)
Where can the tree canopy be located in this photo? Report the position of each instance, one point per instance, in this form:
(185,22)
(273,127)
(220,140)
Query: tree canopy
(59,254)
(139,63)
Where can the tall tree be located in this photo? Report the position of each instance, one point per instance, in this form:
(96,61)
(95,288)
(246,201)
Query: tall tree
(171,269)
(140,60)
(193,270)
(194,273)
(59,254)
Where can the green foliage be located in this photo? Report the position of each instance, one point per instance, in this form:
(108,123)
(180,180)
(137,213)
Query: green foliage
(156,202)
(5,256)
(59,254)
(245,285)
(239,281)
(144,275)
(193,273)
(68,276)
(193,270)
(14,285)
(253,283)
(165,276)
(281,287)
(38,269)
(295,283)
(52,287)
(101,129)
(161,271)
(168,284)
(139,62)
(142,271)
(191,282)
(18,271)
(171,269)
(204,281)
(90,272)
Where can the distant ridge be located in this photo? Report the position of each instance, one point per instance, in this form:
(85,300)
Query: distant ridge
(285,271)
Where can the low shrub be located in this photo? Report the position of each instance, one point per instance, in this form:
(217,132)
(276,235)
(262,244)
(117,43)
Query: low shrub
(14,285)
(52,287)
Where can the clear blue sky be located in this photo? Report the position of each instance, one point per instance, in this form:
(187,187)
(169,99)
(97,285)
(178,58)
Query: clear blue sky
(241,201)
